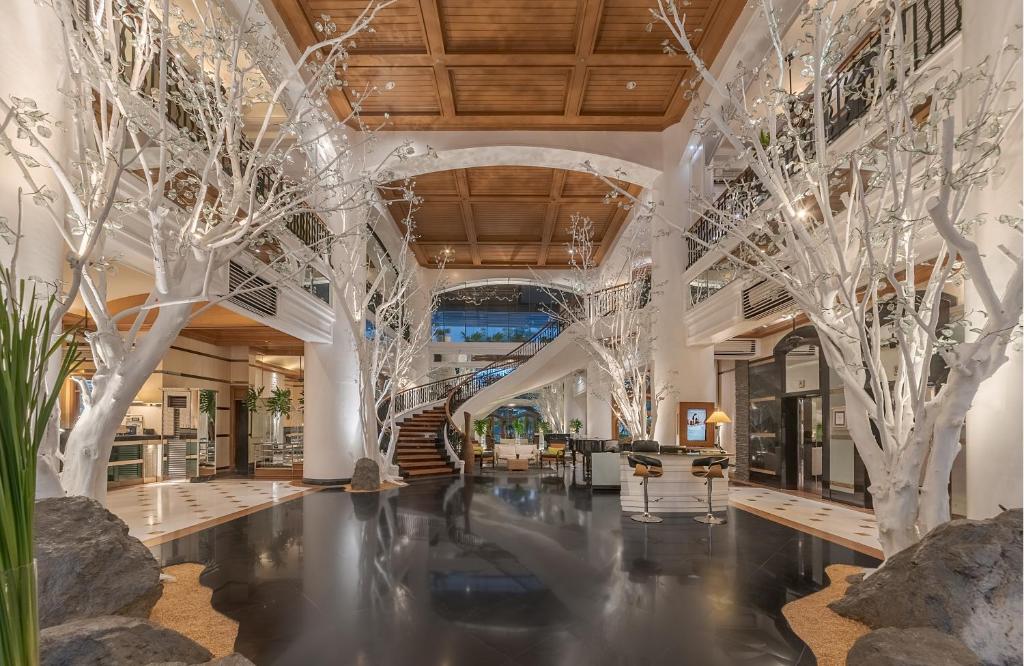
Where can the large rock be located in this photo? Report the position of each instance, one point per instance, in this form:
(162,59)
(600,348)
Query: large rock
(115,640)
(919,646)
(963,579)
(366,475)
(88,565)
(233,659)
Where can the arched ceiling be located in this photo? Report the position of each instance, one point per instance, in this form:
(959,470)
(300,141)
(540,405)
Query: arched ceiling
(508,216)
(517,64)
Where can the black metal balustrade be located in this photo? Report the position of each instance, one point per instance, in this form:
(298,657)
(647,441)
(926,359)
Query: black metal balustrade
(928,26)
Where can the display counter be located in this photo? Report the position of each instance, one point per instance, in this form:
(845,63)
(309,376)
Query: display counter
(677,490)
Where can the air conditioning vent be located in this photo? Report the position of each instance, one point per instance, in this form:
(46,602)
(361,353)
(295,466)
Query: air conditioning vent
(177,401)
(252,298)
(763,299)
(737,348)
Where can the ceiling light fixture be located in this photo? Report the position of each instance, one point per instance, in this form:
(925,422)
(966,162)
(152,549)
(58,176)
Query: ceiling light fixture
(631,85)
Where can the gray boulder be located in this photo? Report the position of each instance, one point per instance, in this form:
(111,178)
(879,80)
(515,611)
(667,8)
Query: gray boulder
(918,646)
(115,640)
(88,565)
(963,579)
(233,659)
(366,475)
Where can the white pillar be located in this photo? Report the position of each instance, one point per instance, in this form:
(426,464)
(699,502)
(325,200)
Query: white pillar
(994,434)
(685,373)
(599,409)
(32,65)
(333,432)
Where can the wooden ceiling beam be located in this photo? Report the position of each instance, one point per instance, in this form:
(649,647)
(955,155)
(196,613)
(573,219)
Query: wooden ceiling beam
(301,30)
(434,36)
(515,59)
(557,184)
(586,37)
(462,185)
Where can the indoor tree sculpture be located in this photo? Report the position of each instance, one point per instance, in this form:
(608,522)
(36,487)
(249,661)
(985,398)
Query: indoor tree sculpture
(612,325)
(865,234)
(197,135)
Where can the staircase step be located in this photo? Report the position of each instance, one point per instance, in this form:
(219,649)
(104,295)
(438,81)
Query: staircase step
(427,464)
(430,471)
(403,456)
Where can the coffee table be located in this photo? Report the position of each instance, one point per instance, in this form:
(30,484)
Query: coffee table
(518,464)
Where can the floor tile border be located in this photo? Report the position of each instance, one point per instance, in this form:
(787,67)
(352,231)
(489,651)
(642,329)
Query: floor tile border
(220,520)
(807,529)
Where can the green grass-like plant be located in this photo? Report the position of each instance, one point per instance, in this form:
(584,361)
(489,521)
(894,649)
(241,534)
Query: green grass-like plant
(28,343)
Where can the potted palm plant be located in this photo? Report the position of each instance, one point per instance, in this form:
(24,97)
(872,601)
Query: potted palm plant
(28,344)
(252,403)
(480,429)
(208,408)
(519,428)
(543,428)
(575,426)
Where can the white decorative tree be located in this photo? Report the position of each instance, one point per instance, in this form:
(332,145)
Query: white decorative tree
(367,278)
(195,135)
(867,233)
(612,323)
(551,405)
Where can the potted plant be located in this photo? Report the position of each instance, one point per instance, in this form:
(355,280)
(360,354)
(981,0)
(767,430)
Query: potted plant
(279,404)
(208,408)
(480,428)
(28,343)
(543,428)
(252,403)
(575,426)
(441,334)
(519,428)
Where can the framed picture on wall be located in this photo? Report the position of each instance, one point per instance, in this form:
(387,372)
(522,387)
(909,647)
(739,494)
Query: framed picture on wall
(838,419)
(693,424)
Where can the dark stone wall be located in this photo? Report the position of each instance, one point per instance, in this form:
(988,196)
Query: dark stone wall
(742,420)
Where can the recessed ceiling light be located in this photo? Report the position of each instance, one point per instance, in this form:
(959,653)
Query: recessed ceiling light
(390,85)
(631,85)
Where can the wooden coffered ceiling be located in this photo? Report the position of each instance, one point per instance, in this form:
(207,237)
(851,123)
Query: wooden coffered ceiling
(517,64)
(508,216)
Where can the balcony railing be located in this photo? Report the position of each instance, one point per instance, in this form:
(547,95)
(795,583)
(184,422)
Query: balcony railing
(928,26)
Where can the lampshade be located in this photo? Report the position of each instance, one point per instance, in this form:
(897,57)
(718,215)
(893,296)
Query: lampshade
(718,416)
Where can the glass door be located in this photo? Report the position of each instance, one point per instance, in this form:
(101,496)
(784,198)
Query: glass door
(810,434)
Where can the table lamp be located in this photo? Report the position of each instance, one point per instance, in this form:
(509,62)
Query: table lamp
(718,418)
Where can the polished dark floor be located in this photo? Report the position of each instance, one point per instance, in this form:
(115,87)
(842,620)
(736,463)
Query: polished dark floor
(499,571)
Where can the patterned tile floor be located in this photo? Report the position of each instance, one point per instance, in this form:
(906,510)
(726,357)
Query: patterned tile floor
(157,509)
(821,516)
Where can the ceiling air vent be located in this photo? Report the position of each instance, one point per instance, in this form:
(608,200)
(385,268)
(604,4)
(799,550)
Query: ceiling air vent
(763,299)
(251,296)
(737,348)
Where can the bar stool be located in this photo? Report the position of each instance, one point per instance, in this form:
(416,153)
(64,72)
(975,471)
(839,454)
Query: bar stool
(710,468)
(647,468)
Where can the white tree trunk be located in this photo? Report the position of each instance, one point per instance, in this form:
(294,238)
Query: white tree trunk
(896,507)
(48,462)
(114,388)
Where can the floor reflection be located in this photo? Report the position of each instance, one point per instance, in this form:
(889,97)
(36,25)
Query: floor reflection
(504,570)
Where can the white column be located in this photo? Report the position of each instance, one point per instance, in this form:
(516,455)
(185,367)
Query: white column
(685,373)
(994,434)
(333,431)
(599,409)
(575,405)
(31,65)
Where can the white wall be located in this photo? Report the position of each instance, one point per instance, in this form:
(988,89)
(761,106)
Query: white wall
(994,432)
(31,65)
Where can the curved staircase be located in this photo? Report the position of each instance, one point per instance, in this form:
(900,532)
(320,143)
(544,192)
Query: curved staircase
(419,452)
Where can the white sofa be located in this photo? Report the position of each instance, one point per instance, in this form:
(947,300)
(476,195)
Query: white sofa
(508,452)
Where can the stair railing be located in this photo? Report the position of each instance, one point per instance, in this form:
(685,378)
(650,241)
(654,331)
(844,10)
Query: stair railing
(450,433)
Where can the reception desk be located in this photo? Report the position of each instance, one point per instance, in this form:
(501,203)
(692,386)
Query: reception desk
(676,491)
